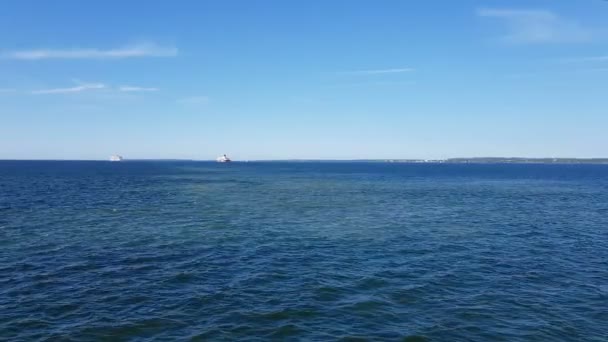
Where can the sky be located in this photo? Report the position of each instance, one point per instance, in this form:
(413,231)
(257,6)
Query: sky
(311,79)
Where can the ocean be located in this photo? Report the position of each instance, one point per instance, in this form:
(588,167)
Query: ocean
(304,251)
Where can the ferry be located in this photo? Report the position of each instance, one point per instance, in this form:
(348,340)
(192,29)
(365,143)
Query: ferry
(115,158)
(223,159)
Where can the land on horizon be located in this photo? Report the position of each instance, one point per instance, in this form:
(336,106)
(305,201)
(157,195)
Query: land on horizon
(458,160)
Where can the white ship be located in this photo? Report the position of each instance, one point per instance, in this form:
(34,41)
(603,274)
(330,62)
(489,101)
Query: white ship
(223,159)
(115,158)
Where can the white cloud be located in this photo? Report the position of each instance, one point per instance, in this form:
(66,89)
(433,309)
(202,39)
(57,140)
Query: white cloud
(380,71)
(585,59)
(81,87)
(372,84)
(594,70)
(136,89)
(140,50)
(76,89)
(539,26)
(194,100)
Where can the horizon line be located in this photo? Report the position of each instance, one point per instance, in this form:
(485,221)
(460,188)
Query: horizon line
(322,159)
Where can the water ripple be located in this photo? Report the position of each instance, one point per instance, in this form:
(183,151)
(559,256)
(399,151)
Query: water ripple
(302,251)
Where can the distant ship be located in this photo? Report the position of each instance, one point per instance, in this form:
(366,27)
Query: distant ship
(115,158)
(223,159)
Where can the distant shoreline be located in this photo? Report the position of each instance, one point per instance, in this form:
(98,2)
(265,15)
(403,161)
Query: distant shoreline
(481,160)
(474,160)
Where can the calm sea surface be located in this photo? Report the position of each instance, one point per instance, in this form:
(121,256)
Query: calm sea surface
(303,251)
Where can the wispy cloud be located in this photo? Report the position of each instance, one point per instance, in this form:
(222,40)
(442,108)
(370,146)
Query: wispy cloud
(193,100)
(82,87)
(140,50)
(136,89)
(588,59)
(540,26)
(379,71)
(371,84)
(592,70)
(76,89)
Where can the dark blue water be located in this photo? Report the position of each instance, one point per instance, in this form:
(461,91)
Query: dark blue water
(303,251)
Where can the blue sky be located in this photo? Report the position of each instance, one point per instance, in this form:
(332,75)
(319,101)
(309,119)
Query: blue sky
(303,79)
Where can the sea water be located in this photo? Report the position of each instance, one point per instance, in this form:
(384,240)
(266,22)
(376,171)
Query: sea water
(303,251)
